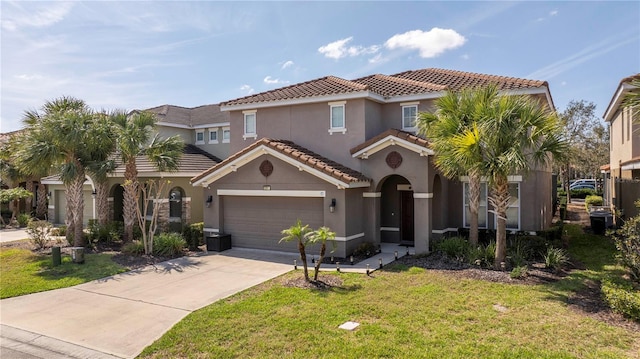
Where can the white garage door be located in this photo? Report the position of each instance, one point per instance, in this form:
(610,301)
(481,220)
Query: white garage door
(256,222)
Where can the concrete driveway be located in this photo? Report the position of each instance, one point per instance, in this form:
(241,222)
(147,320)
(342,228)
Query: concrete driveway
(10,235)
(120,315)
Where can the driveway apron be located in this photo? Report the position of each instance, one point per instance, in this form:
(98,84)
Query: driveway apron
(123,314)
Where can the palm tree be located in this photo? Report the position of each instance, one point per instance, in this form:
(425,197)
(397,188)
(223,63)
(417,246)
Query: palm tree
(516,134)
(60,138)
(101,164)
(134,137)
(451,130)
(299,233)
(322,235)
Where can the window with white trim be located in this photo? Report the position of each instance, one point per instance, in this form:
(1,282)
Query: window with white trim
(250,125)
(513,210)
(482,207)
(199,137)
(337,117)
(213,135)
(409,116)
(226,135)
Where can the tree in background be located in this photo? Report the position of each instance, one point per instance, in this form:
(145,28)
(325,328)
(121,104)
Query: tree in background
(588,142)
(62,137)
(13,195)
(134,137)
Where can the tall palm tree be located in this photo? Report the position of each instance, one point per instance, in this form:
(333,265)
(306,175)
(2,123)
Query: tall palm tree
(516,134)
(134,137)
(101,164)
(455,118)
(61,137)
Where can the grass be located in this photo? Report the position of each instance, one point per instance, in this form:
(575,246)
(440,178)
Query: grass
(24,272)
(405,312)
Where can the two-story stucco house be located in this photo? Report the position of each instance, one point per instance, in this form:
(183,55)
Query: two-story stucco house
(345,154)
(205,132)
(622,174)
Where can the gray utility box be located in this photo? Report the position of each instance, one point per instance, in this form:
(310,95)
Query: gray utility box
(600,221)
(218,242)
(77,255)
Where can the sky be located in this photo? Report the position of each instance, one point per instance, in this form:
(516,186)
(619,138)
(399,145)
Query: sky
(137,55)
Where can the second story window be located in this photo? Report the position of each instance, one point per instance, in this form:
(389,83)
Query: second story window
(249,124)
(213,135)
(337,120)
(199,137)
(409,116)
(226,135)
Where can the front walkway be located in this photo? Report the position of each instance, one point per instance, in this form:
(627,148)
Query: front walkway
(119,316)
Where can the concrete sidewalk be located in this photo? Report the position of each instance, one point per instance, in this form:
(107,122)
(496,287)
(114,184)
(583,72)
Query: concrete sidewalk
(118,316)
(10,235)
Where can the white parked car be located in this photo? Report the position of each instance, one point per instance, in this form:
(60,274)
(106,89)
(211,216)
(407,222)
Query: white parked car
(581,183)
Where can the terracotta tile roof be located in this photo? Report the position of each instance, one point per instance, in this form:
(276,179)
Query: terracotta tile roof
(404,83)
(298,153)
(633,160)
(329,85)
(393,86)
(193,160)
(190,117)
(407,136)
(606,167)
(456,80)
(5,137)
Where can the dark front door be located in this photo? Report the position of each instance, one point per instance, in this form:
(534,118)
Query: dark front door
(406,218)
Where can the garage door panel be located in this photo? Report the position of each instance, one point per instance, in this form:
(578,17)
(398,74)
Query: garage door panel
(257,222)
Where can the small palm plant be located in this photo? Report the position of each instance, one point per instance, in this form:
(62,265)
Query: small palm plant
(321,235)
(299,233)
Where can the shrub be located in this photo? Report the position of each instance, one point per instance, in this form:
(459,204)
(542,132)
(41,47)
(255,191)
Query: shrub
(627,241)
(593,200)
(454,247)
(555,258)
(622,299)
(108,233)
(38,232)
(365,249)
(193,235)
(582,193)
(133,248)
(23,219)
(168,244)
(519,272)
(489,254)
(59,231)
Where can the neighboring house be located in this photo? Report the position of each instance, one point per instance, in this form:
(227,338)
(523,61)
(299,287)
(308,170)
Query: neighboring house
(345,154)
(622,174)
(183,204)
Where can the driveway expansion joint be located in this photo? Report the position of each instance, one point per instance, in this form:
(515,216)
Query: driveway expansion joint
(133,300)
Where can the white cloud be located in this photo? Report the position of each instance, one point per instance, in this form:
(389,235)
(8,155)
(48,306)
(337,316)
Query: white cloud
(465,57)
(429,44)
(29,77)
(271,81)
(339,49)
(377,59)
(287,64)
(247,89)
(44,16)
(553,13)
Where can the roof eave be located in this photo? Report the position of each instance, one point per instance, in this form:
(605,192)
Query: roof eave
(616,101)
(303,100)
(392,140)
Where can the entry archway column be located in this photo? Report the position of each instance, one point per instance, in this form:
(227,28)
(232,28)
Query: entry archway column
(372,216)
(422,221)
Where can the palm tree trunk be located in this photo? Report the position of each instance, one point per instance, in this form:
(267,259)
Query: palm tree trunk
(41,205)
(500,202)
(28,202)
(76,198)
(69,220)
(102,202)
(323,249)
(474,204)
(303,258)
(130,198)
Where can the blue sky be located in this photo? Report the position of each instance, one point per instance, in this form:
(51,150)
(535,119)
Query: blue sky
(143,54)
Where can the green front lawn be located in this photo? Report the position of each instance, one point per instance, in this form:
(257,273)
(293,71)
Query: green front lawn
(24,272)
(405,313)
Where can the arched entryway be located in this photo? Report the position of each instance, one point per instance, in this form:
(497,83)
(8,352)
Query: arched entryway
(397,211)
(117,195)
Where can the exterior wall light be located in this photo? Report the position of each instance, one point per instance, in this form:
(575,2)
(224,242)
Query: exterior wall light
(209,201)
(332,206)
(94,193)
(266,187)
